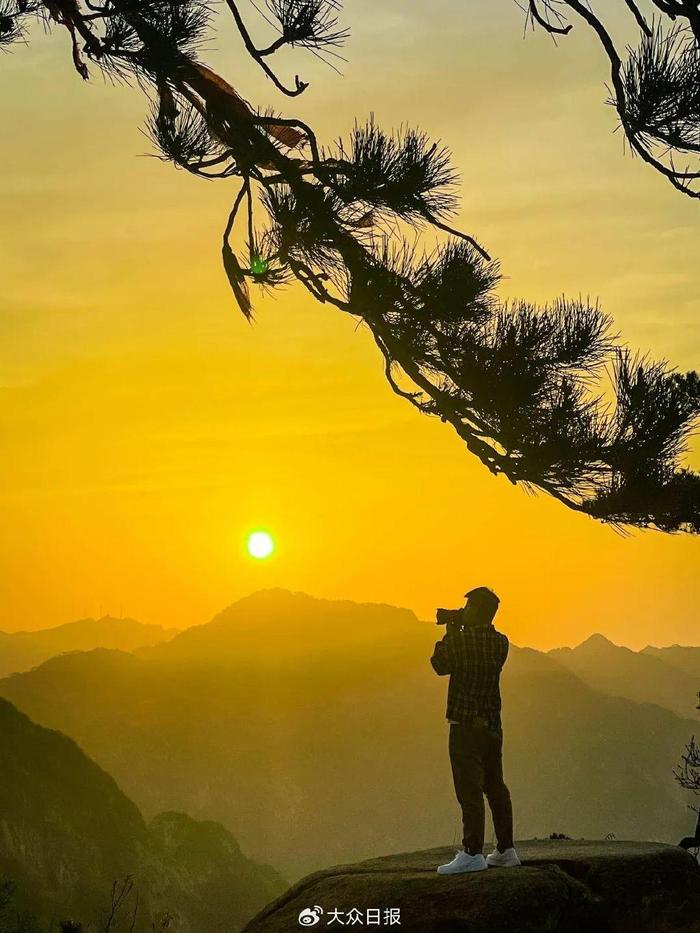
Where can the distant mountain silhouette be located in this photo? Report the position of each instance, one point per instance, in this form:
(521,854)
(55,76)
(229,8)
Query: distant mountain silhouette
(643,676)
(303,628)
(67,832)
(315,732)
(20,651)
(680,656)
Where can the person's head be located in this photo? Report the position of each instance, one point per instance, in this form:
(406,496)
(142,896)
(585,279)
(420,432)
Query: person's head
(481,606)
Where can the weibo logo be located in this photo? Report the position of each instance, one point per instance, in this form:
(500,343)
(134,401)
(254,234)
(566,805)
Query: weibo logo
(310,916)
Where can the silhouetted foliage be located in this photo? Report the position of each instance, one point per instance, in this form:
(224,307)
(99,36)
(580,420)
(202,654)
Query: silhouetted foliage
(546,396)
(688,776)
(122,915)
(7,892)
(123,892)
(655,85)
(11,920)
(688,773)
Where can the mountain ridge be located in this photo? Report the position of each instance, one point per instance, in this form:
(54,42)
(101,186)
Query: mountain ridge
(20,651)
(641,676)
(282,593)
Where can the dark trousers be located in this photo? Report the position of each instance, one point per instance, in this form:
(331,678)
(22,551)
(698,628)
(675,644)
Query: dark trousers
(477,769)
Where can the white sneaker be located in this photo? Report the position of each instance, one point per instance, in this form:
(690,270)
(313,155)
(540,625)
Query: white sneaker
(507,859)
(462,862)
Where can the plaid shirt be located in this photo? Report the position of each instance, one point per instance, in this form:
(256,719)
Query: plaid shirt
(473,657)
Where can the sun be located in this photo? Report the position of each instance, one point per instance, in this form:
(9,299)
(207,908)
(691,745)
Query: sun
(260,545)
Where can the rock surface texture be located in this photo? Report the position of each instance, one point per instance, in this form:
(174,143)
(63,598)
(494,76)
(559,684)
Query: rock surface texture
(577,887)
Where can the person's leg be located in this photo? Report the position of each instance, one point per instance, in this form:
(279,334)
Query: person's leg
(497,793)
(466,758)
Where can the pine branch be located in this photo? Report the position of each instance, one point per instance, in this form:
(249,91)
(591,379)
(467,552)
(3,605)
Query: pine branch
(655,85)
(543,395)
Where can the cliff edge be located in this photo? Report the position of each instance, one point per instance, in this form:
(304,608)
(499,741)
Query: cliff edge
(562,887)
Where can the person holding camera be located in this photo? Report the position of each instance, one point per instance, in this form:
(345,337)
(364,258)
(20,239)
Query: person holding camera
(473,653)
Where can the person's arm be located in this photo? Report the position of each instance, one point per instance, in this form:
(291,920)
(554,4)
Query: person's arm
(441,658)
(444,659)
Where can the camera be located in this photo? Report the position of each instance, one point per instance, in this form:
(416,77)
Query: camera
(449,616)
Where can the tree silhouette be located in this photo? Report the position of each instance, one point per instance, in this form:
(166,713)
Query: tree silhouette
(654,86)
(546,396)
(688,776)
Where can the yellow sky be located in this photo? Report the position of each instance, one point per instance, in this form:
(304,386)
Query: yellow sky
(146,428)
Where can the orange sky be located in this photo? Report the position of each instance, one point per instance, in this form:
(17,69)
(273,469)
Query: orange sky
(146,428)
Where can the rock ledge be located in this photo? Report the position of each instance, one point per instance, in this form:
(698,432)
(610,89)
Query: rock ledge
(562,887)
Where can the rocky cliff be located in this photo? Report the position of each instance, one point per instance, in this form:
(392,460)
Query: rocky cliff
(67,832)
(562,887)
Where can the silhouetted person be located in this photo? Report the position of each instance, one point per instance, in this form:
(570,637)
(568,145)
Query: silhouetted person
(473,653)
